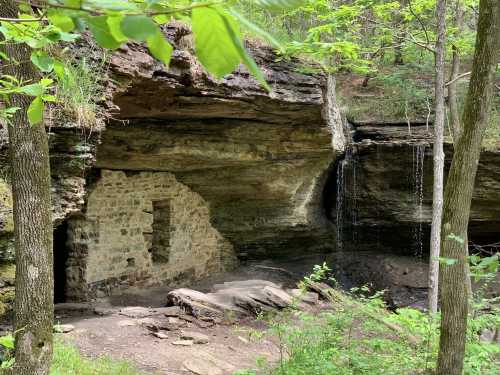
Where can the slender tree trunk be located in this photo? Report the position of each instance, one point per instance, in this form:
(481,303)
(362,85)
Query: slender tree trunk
(437,196)
(459,188)
(455,71)
(33,306)
(453,101)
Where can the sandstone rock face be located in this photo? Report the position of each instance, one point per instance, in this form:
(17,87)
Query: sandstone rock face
(384,201)
(188,173)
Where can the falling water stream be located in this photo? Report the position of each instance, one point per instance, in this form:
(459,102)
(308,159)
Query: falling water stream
(418,194)
(347,176)
(346,200)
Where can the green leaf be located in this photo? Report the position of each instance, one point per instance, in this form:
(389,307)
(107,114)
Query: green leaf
(60,20)
(213,44)
(161,19)
(114,24)
(102,34)
(454,237)
(160,48)
(67,37)
(7,341)
(73,3)
(247,59)
(59,69)
(42,61)
(35,89)
(49,98)
(35,111)
(138,28)
(447,261)
(255,29)
(279,4)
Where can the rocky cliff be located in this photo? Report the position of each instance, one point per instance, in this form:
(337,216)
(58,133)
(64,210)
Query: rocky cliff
(385,201)
(188,174)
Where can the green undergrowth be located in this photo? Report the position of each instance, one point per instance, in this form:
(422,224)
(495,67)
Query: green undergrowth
(68,361)
(359,336)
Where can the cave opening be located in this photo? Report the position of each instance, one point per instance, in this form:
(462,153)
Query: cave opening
(61,254)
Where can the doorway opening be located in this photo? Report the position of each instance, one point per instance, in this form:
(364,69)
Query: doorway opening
(61,254)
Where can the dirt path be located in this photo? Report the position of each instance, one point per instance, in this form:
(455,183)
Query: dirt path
(229,347)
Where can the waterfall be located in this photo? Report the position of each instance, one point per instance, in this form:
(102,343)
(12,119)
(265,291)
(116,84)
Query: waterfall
(339,204)
(418,195)
(347,196)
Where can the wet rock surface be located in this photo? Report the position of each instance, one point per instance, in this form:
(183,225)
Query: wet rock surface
(380,197)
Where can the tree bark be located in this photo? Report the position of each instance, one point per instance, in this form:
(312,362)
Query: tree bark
(459,188)
(437,195)
(29,152)
(455,72)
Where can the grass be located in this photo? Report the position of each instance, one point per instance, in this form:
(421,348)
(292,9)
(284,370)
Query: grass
(360,337)
(68,361)
(78,91)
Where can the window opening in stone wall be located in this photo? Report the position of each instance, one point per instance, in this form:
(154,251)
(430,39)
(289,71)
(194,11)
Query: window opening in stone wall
(160,246)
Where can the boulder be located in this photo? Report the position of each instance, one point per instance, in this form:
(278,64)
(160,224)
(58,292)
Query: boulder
(232,299)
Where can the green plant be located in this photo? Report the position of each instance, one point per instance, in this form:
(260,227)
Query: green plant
(68,361)
(79,89)
(359,336)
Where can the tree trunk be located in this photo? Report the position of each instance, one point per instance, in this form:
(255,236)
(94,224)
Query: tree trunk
(455,71)
(437,195)
(459,188)
(33,306)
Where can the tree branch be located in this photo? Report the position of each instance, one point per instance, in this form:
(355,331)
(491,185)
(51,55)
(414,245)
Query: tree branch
(457,78)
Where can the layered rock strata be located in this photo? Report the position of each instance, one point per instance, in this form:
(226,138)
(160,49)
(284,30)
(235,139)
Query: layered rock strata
(188,174)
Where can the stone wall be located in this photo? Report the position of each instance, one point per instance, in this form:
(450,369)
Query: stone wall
(141,229)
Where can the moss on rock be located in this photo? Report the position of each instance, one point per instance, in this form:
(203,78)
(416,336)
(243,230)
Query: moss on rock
(6,223)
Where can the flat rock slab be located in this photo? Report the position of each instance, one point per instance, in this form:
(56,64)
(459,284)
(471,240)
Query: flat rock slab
(160,335)
(196,337)
(136,312)
(203,363)
(171,311)
(127,323)
(232,299)
(183,343)
(311,298)
(64,328)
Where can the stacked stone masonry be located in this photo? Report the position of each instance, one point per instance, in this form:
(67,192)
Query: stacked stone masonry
(116,236)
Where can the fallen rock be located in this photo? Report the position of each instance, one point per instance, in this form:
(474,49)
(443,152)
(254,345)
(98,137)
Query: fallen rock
(206,364)
(104,311)
(64,328)
(162,324)
(196,337)
(136,312)
(126,323)
(199,366)
(171,311)
(200,304)
(160,335)
(232,299)
(183,343)
(311,298)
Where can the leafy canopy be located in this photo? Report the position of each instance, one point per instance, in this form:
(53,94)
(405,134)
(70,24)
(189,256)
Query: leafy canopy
(112,23)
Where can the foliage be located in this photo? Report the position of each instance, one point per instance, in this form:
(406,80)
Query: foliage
(79,90)
(351,339)
(217,37)
(68,361)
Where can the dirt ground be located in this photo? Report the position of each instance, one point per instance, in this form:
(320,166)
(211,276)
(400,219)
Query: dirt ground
(229,348)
